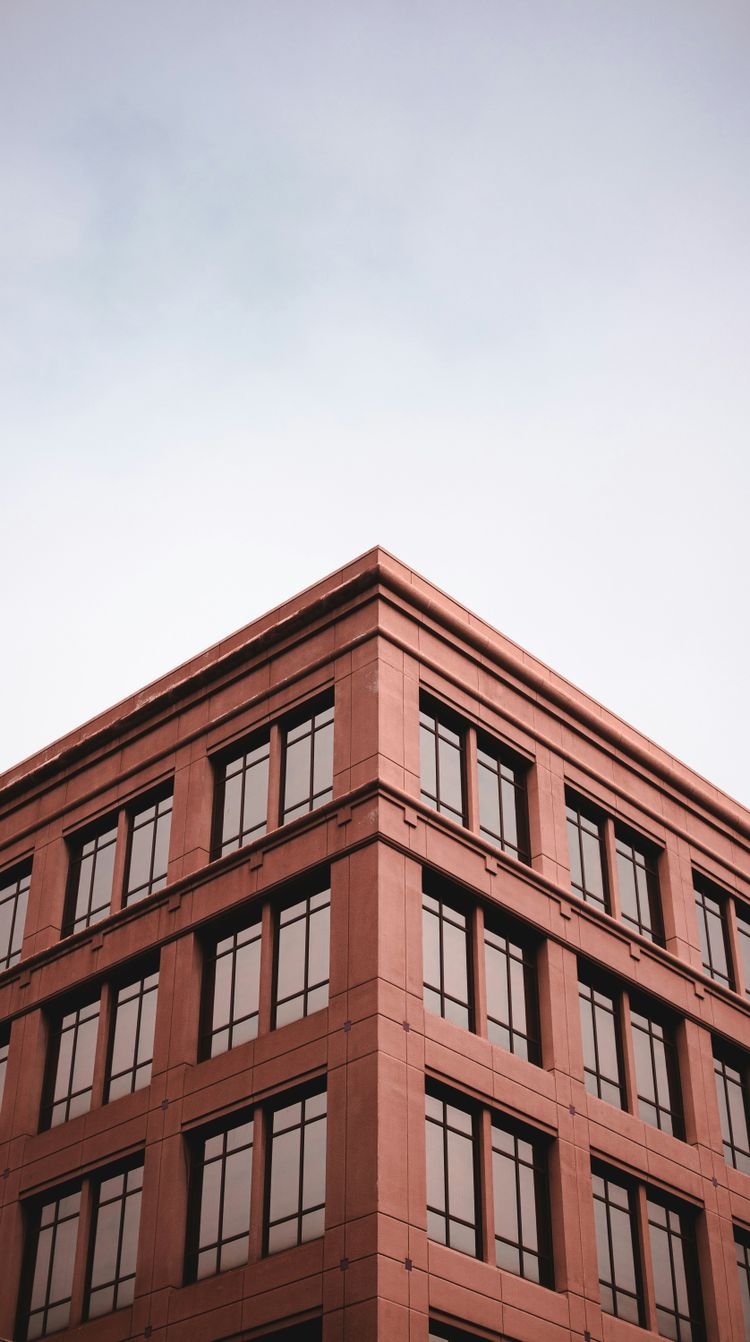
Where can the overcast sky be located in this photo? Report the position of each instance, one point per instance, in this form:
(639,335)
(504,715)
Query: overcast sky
(282,280)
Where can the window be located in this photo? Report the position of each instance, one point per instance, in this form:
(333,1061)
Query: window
(308,762)
(742,1246)
(638,885)
(441,1332)
(502,799)
(132,1042)
(743,941)
(302,958)
(220,1212)
(446,964)
(297,1173)
(656,1073)
(149,849)
(679,1311)
(512,1015)
(70,1072)
(4,1050)
(91,876)
(232,991)
(14,896)
(620,1279)
(731,1088)
(711,909)
(53,1231)
(587,859)
(602,1052)
(442,763)
(451,1175)
(522,1223)
(114,1241)
(243,796)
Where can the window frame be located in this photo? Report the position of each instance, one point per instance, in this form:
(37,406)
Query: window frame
(595,816)
(153,798)
(73,922)
(653,930)
(299,894)
(629,1187)
(656,1016)
(443,716)
(32,1210)
(498,924)
(218,933)
(704,888)
(451,897)
(283,1100)
(119,1280)
(541,1213)
(221,761)
(245,1117)
(55,1018)
(516,765)
(306,712)
(15,885)
(725,1055)
(597,983)
(136,974)
(456,1100)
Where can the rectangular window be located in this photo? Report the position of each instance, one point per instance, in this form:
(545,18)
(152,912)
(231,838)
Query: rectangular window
(14,897)
(50,1261)
(451,1175)
(297,1173)
(586,845)
(132,1043)
(114,1242)
(638,885)
(242,811)
(308,763)
(502,799)
(656,1073)
(742,1245)
(679,1309)
(91,874)
(620,1279)
(149,849)
(219,1219)
(70,1072)
(512,1013)
(522,1223)
(232,986)
(4,1050)
(743,939)
(711,908)
(442,763)
(602,1051)
(731,1089)
(302,958)
(446,957)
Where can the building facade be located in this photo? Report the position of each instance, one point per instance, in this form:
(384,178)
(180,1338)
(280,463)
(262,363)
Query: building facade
(363,979)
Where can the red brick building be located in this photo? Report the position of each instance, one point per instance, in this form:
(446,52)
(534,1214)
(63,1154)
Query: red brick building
(363,979)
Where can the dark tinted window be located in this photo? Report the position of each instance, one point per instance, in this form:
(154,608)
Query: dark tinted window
(308,763)
(70,1072)
(522,1230)
(302,958)
(219,1219)
(679,1312)
(731,1089)
(4,1048)
(232,986)
(297,1173)
(502,799)
(586,846)
(446,964)
(132,1045)
(656,1072)
(442,1332)
(50,1262)
(638,885)
(243,797)
(14,896)
(602,1054)
(442,764)
(451,1177)
(149,849)
(114,1242)
(742,1246)
(91,873)
(512,1016)
(620,1281)
(712,912)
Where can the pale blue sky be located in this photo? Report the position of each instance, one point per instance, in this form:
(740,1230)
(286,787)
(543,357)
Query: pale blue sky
(280,280)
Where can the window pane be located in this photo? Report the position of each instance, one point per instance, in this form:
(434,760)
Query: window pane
(442,765)
(302,957)
(133,1037)
(297,1177)
(71,1065)
(220,1214)
(92,870)
(601,1046)
(52,1248)
(586,848)
(710,908)
(14,895)
(308,764)
(451,1190)
(446,965)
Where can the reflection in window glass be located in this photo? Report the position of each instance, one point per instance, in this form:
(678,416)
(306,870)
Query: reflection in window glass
(302,957)
(220,1215)
(232,988)
(297,1182)
(638,886)
(743,938)
(149,850)
(52,1249)
(71,1064)
(620,1280)
(446,965)
(308,764)
(512,1016)
(731,1089)
(442,766)
(679,1310)
(132,1047)
(502,800)
(742,1246)
(586,847)
(14,896)
(602,1055)
(711,909)
(114,1242)
(522,1230)
(656,1073)
(91,874)
(451,1179)
(244,797)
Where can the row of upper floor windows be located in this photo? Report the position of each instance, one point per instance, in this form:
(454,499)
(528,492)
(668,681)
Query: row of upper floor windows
(613,868)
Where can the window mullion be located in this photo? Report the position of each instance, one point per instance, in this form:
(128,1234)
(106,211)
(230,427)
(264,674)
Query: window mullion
(275,749)
(647,1266)
(733,947)
(119,874)
(627,1051)
(477,973)
(471,780)
(485,1191)
(610,863)
(105,1025)
(83,1254)
(268,934)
